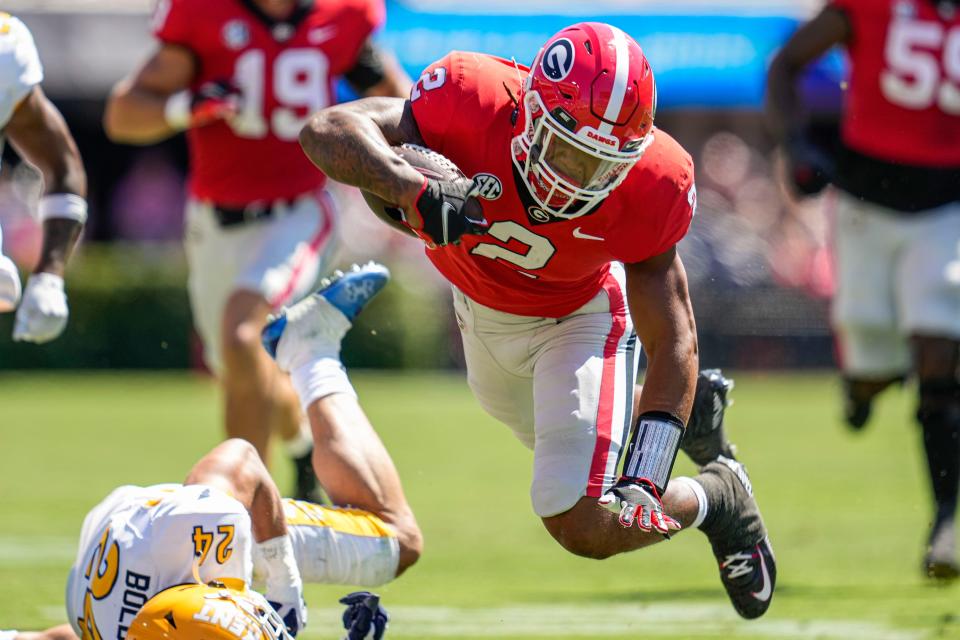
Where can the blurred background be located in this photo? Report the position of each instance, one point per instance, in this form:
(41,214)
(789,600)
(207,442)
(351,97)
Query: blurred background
(756,259)
(761,280)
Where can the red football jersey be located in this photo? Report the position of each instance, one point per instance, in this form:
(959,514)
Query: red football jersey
(527,263)
(285,73)
(903,101)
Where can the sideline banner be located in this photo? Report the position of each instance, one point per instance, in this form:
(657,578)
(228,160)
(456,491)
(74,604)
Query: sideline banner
(717,60)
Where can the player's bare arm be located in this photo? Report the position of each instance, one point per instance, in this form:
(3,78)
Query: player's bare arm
(663,317)
(137,109)
(813,39)
(351,144)
(235,467)
(40,135)
(60,632)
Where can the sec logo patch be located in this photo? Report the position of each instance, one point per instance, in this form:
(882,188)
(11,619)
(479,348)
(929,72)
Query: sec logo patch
(489,186)
(236,34)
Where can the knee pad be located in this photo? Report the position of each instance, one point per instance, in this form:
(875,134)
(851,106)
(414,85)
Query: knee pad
(939,403)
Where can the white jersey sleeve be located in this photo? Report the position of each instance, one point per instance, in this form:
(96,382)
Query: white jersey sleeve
(20,68)
(142,540)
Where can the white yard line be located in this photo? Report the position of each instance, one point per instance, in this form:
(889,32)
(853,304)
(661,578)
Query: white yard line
(594,621)
(689,620)
(18,551)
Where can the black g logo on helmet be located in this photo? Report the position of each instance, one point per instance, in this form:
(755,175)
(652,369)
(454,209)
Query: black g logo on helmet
(557,60)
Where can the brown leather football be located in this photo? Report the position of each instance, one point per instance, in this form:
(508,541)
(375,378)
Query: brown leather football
(429,163)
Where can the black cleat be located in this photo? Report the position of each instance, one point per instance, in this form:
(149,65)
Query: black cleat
(940,561)
(704,439)
(856,412)
(307,486)
(734,526)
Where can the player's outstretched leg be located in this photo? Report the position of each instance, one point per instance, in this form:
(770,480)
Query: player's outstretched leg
(704,438)
(349,458)
(736,532)
(317,324)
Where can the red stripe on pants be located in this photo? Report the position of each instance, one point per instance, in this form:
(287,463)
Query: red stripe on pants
(608,380)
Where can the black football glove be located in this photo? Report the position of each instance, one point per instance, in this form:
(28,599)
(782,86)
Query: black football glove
(214,100)
(439,216)
(364,618)
(810,166)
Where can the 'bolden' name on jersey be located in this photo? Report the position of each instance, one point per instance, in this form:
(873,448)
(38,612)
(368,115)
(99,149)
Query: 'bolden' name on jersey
(141,540)
(529,263)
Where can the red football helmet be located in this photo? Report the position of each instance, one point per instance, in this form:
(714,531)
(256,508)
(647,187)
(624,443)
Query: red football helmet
(586,112)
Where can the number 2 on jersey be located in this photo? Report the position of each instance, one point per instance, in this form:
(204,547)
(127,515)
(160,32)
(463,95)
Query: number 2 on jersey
(102,571)
(537,253)
(300,86)
(428,81)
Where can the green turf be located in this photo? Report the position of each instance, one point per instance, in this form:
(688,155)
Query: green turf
(847,513)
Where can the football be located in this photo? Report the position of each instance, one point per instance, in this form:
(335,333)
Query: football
(428,162)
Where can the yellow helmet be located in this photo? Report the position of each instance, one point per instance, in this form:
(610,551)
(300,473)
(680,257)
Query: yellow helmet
(217,611)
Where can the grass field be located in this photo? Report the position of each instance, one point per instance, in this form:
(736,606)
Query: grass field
(847,514)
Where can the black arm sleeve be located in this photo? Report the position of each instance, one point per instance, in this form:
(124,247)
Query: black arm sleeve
(368,71)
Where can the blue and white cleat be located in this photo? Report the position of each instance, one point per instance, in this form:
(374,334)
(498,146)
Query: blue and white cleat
(314,327)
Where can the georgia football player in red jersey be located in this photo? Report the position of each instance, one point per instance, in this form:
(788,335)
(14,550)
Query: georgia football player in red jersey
(897,227)
(584,202)
(242,77)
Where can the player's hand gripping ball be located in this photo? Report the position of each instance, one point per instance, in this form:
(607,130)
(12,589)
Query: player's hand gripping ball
(447,207)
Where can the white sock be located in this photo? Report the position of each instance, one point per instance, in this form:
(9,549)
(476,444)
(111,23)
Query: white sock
(701,499)
(300,444)
(320,378)
(8,634)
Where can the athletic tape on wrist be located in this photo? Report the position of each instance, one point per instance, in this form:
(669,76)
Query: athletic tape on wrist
(68,206)
(280,564)
(653,448)
(177,110)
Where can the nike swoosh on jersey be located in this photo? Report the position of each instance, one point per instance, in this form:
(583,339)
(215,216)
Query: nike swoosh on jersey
(585,236)
(764,594)
(321,34)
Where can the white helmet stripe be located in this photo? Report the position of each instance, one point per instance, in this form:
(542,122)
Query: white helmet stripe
(621,73)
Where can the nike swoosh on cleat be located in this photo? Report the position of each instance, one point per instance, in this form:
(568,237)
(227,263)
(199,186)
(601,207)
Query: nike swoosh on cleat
(585,236)
(446,210)
(764,594)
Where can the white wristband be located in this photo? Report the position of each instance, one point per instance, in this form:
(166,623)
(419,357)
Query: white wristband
(63,205)
(177,110)
(276,558)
